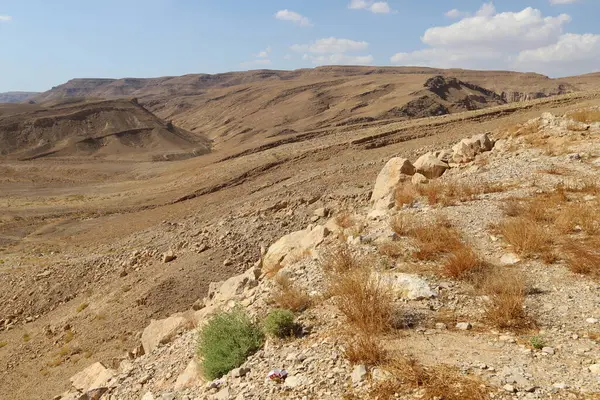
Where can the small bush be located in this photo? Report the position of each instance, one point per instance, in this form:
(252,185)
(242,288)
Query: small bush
(344,219)
(582,257)
(506,293)
(463,263)
(3,344)
(365,349)
(435,239)
(537,342)
(226,341)
(287,296)
(26,337)
(391,249)
(279,323)
(402,224)
(526,236)
(405,194)
(340,259)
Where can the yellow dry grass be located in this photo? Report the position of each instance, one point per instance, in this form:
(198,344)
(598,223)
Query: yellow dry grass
(288,296)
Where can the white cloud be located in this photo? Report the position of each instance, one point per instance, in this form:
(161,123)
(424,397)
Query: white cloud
(563,1)
(333,50)
(338,59)
(287,15)
(525,40)
(456,13)
(376,7)
(5,18)
(264,53)
(573,54)
(330,45)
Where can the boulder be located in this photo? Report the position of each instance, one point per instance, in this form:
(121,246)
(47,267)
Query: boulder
(92,379)
(290,248)
(466,150)
(190,377)
(395,171)
(430,166)
(168,256)
(419,179)
(221,292)
(407,286)
(444,155)
(359,374)
(162,331)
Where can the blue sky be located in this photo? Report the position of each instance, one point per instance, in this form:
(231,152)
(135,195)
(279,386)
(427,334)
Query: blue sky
(45,43)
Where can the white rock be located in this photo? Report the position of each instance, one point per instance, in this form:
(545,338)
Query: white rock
(359,373)
(148,396)
(548,350)
(394,172)
(418,179)
(222,292)
(509,388)
(464,326)
(509,259)
(430,166)
(407,286)
(292,247)
(467,149)
(93,377)
(162,331)
(223,394)
(591,321)
(594,369)
(293,381)
(190,377)
(168,256)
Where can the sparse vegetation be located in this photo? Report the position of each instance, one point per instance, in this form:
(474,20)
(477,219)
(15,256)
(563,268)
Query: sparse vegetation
(226,341)
(435,239)
(537,342)
(3,344)
(402,224)
(344,219)
(82,307)
(526,236)
(279,323)
(463,264)
(26,337)
(586,116)
(437,382)
(391,249)
(288,296)
(506,293)
(405,194)
(583,257)
(365,349)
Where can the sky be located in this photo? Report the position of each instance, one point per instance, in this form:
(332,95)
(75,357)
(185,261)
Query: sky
(44,43)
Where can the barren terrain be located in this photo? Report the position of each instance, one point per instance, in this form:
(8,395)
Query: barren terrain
(83,229)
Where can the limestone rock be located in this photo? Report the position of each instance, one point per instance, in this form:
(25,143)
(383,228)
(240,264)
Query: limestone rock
(293,247)
(222,292)
(509,259)
(359,374)
(168,256)
(190,377)
(96,376)
(467,149)
(394,172)
(464,326)
(430,166)
(162,331)
(418,179)
(407,286)
(594,369)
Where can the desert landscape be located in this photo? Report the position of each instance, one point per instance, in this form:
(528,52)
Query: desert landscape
(424,233)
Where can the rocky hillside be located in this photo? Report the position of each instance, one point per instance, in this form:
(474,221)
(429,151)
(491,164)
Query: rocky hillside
(471,273)
(16,97)
(241,107)
(113,129)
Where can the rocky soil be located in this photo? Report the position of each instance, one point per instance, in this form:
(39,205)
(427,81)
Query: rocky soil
(443,320)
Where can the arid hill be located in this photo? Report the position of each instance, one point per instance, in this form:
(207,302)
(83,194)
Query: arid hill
(16,97)
(113,129)
(245,108)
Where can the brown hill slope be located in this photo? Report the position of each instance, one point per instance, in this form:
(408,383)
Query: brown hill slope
(16,97)
(241,107)
(113,129)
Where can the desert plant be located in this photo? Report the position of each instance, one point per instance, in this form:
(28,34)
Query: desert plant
(526,235)
(405,194)
(3,344)
(226,341)
(365,349)
(344,219)
(537,342)
(26,337)
(340,259)
(288,296)
(279,323)
(402,224)
(585,116)
(583,257)
(82,307)
(364,300)
(391,249)
(464,264)
(435,239)
(506,292)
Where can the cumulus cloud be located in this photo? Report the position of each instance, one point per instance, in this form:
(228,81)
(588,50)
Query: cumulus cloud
(260,58)
(456,13)
(376,7)
(523,40)
(5,18)
(292,16)
(264,53)
(333,51)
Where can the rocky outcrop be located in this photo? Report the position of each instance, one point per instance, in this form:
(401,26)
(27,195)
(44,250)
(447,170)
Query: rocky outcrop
(395,171)
(292,247)
(430,166)
(161,331)
(467,149)
(92,382)
(221,292)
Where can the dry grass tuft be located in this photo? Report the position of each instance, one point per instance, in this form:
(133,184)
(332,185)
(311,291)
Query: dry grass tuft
(451,193)
(365,349)
(526,236)
(289,297)
(464,264)
(585,116)
(365,301)
(506,292)
(402,224)
(391,249)
(583,257)
(435,239)
(340,260)
(405,194)
(438,382)
(344,219)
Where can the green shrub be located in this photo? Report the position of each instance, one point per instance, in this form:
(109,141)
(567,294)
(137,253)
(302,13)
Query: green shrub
(537,342)
(226,341)
(279,323)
